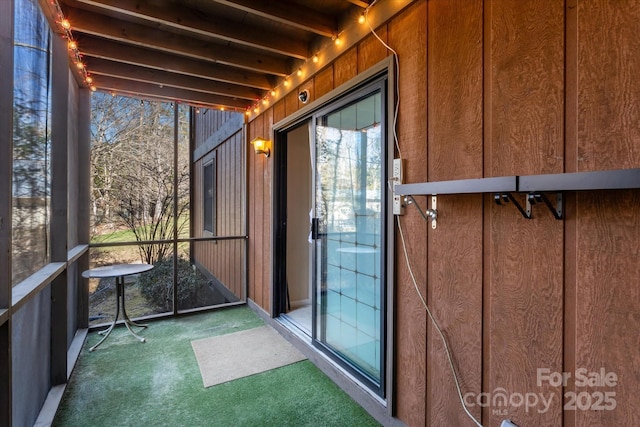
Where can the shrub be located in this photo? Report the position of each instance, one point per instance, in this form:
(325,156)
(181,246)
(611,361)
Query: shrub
(157,286)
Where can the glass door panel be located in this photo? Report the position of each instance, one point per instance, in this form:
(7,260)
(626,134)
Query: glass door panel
(349,256)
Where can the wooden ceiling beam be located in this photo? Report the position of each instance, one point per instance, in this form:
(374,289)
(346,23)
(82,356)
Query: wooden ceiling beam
(181,18)
(104,67)
(292,15)
(141,89)
(105,49)
(360,3)
(114,29)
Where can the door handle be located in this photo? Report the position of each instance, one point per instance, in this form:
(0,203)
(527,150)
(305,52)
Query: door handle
(314,228)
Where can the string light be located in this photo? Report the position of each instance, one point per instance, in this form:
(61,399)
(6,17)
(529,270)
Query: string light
(72,45)
(336,40)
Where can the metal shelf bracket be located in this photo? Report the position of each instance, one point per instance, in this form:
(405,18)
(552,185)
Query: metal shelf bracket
(432,213)
(503,198)
(556,211)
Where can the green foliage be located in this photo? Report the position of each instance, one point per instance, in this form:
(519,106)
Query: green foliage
(193,288)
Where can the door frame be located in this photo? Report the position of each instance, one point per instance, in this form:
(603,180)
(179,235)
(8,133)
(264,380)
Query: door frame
(279,293)
(278,131)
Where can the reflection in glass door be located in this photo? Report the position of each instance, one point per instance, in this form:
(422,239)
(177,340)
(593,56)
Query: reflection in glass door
(349,247)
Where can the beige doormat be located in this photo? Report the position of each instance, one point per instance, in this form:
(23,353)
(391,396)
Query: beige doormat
(240,354)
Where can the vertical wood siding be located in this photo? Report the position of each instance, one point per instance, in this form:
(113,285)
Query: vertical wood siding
(224,259)
(493,88)
(456,246)
(604,248)
(408,36)
(524,132)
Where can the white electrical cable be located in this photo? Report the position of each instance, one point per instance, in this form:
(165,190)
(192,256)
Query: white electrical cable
(397,64)
(404,247)
(436,326)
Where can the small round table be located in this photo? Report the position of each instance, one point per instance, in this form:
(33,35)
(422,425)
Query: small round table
(119,271)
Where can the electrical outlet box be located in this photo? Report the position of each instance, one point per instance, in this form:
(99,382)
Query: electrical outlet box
(398,207)
(397,171)
(396,178)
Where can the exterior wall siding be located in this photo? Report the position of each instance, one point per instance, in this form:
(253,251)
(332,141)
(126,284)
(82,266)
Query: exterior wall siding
(224,259)
(494,88)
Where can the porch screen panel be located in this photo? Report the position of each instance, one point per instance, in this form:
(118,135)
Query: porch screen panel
(31,140)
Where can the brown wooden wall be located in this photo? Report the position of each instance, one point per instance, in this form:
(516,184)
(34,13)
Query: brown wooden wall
(224,259)
(492,88)
(260,200)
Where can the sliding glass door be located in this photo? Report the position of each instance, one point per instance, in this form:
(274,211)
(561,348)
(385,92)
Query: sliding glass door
(349,230)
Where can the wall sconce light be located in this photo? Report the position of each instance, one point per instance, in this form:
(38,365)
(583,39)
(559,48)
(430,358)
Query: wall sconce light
(261,146)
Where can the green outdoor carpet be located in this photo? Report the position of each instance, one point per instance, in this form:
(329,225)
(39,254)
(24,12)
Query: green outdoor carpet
(158,383)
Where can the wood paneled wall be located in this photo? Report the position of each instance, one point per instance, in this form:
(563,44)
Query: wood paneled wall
(224,259)
(492,88)
(260,209)
(523,134)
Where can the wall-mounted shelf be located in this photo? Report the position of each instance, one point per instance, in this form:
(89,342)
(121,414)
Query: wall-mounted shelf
(461,186)
(581,181)
(534,185)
